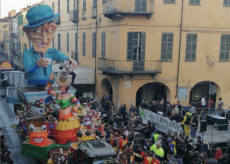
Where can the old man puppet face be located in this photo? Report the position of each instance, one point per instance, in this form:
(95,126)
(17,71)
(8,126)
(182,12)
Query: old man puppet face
(41,36)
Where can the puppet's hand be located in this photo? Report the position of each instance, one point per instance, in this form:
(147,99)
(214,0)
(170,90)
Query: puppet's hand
(73,63)
(42,62)
(51,76)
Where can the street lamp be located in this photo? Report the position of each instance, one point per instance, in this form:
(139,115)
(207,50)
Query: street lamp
(212,61)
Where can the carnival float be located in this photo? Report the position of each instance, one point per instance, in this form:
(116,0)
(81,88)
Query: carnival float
(55,125)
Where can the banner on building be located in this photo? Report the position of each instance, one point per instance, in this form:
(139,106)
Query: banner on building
(161,123)
(182,93)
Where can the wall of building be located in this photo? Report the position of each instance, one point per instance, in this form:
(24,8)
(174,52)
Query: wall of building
(209,21)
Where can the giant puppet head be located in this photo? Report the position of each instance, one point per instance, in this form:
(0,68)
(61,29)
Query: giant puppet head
(41,27)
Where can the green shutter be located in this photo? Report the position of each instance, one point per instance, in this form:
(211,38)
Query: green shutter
(191,44)
(224,49)
(67,42)
(59,41)
(94,44)
(130,46)
(103,45)
(20,20)
(166,47)
(84,4)
(53,6)
(67,6)
(73,4)
(194,2)
(226,2)
(169,1)
(143,6)
(140,5)
(143,40)
(137,5)
(94,3)
(83,44)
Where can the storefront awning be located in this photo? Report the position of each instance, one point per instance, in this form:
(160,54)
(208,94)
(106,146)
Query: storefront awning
(84,75)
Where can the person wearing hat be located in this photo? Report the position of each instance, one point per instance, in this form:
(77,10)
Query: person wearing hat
(37,60)
(68,124)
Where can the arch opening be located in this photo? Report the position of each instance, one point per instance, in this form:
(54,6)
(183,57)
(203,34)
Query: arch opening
(208,89)
(106,87)
(152,91)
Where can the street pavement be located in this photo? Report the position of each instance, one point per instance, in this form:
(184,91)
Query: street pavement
(7,118)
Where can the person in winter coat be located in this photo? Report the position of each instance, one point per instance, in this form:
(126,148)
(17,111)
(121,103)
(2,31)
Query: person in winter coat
(169,160)
(220,107)
(224,159)
(177,159)
(218,153)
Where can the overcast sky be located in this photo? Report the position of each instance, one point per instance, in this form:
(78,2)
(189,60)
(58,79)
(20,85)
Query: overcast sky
(7,5)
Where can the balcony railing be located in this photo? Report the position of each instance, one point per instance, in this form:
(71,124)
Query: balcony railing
(73,16)
(123,7)
(129,67)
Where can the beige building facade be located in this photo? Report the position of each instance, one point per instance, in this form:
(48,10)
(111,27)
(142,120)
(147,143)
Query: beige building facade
(149,49)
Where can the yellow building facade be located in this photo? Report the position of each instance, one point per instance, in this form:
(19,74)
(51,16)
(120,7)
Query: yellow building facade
(149,49)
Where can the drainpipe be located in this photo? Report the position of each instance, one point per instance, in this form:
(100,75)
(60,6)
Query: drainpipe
(178,65)
(95,54)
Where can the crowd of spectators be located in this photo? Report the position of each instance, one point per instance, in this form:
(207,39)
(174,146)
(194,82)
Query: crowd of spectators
(5,152)
(151,146)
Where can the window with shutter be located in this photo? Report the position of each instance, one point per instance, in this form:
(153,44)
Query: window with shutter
(76,42)
(67,42)
(94,44)
(59,41)
(226,2)
(224,48)
(53,43)
(194,2)
(169,1)
(53,7)
(84,4)
(191,44)
(83,44)
(74,5)
(166,47)
(20,20)
(59,6)
(143,38)
(103,45)
(130,46)
(140,5)
(94,2)
(67,6)
(59,11)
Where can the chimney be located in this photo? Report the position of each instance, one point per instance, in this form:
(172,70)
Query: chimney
(12,13)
